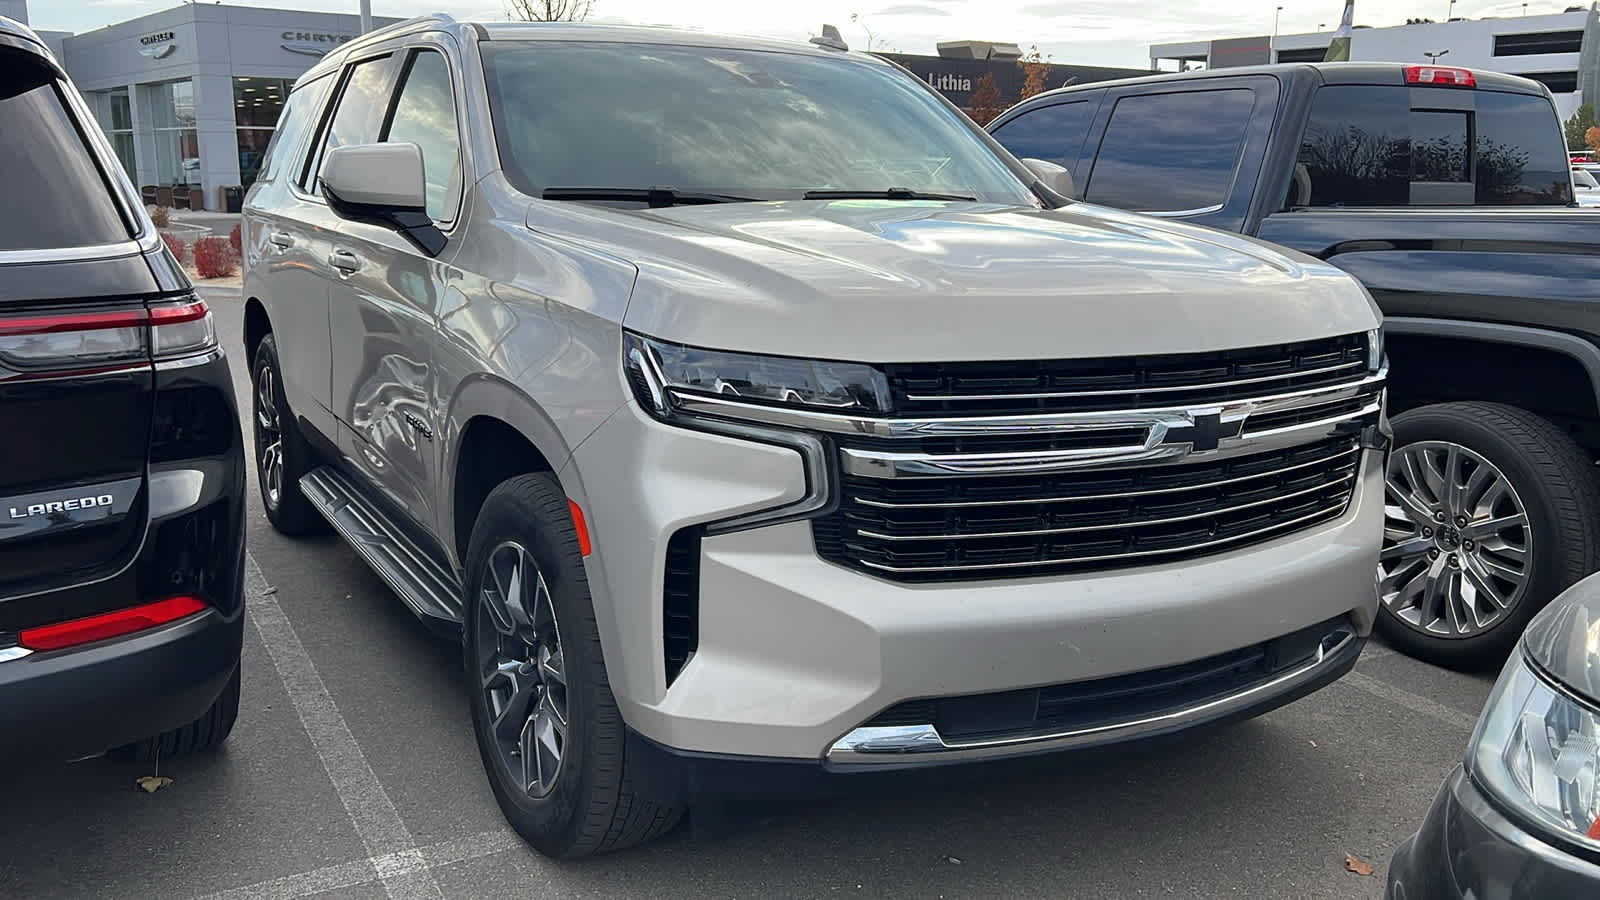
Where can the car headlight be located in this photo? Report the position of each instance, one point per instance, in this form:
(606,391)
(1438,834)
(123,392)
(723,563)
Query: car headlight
(1537,750)
(661,371)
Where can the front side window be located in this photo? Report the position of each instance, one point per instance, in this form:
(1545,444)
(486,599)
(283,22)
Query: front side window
(360,111)
(299,113)
(754,124)
(1052,133)
(1171,152)
(55,190)
(425,115)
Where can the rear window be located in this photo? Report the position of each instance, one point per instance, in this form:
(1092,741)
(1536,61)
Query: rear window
(47,168)
(1400,146)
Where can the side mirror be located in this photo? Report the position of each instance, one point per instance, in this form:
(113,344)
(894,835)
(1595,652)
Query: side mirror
(382,184)
(1054,177)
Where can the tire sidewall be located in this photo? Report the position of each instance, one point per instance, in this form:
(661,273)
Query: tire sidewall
(552,823)
(1546,565)
(266,358)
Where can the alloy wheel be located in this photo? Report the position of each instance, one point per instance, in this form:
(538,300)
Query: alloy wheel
(1456,541)
(522,671)
(269,436)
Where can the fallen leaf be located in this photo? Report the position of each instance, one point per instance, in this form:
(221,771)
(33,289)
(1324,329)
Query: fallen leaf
(269,591)
(1312,743)
(1353,864)
(153,783)
(953,860)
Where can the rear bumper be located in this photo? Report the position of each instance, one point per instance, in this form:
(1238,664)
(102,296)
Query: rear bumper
(1468,848)
(85,700)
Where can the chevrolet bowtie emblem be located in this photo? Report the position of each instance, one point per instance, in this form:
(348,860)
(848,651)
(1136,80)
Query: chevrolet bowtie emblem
(1206,433)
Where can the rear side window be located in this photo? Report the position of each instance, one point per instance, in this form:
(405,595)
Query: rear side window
(1399,146)
(1171,152)
(56,193)
(298,115)
(1052,133)
(360,112)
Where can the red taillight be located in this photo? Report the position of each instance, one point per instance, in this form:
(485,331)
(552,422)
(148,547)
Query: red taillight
(109,625)
(1444,76)
(101,339)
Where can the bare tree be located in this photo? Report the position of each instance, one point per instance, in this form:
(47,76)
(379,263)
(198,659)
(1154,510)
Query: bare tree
(549,10)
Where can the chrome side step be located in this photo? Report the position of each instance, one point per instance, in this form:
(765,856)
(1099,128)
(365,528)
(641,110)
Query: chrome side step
(431,590)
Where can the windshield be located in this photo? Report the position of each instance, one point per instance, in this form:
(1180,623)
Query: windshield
(741,123)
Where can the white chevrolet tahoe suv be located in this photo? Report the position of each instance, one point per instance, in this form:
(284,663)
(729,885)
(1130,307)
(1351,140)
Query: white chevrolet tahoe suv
(740,402)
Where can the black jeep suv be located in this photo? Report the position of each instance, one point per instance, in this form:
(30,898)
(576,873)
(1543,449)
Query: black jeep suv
(121,458)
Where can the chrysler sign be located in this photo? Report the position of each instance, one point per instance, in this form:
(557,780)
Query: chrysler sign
(157,46)
(310,43)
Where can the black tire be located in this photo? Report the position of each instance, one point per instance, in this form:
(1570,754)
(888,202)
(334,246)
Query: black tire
(289,511)
(203,734)
(1555,481)
(599,800)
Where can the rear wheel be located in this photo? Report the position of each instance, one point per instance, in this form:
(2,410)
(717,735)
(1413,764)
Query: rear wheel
(1490,512)
(548,728)
(205,733)
(282,456)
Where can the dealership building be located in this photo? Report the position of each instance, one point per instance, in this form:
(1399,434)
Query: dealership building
(189,96)
(1561,50)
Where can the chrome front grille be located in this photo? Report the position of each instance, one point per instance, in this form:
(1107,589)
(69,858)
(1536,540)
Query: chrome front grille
(1261,443)
(1124,383)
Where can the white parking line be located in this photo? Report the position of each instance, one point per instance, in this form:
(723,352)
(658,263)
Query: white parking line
(1407,700)
(366,871)
(391,850)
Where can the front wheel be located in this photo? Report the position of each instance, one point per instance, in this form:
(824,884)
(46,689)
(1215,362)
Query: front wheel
(548,729)
(1490,512)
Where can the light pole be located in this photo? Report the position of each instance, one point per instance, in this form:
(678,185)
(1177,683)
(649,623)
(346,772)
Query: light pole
(1450,12)
(1433,55)
(366,16)
(857,19)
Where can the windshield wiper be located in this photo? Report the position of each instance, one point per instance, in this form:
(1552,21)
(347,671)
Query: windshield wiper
(894,193)
(653,197)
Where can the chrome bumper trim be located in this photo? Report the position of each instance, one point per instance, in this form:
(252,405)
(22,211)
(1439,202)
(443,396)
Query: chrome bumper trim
(11,653)
(892,745)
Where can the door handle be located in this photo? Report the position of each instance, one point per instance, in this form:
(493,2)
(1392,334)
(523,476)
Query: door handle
(283,240)
(344,261)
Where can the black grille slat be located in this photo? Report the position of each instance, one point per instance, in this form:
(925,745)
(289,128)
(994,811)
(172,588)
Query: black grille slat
(1132,517)
(1105,701)
(1004,388)
(680,631)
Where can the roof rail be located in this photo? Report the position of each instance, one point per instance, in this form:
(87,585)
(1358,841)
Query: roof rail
(387,31)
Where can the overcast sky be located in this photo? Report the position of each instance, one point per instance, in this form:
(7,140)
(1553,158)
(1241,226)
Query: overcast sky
(1091,32)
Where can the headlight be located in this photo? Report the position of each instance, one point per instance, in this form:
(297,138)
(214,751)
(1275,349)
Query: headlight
(1538,751)
(655,367)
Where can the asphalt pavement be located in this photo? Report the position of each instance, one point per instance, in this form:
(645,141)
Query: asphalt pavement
(353,773)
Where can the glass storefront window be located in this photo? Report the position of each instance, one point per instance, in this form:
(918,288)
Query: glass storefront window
(257,104)
(170,108)
(115,115)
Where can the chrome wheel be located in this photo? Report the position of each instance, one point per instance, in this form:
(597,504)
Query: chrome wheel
(1456,542)
(269,436)
(521,668)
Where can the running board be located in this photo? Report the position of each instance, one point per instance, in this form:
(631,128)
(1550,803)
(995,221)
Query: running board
(431,591)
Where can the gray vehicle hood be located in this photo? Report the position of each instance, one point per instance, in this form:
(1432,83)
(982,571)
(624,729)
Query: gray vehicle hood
(898,281)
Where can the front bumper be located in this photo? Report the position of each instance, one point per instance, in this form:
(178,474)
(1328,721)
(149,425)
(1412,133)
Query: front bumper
(1467,848)
(794,653)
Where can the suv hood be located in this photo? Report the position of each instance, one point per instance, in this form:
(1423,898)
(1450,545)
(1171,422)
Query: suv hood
(907,281)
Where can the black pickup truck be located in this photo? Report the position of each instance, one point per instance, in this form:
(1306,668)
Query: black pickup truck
(1448,193)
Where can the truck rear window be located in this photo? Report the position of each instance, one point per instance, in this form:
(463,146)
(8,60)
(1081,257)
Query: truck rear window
(1399,146)
(57,196)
